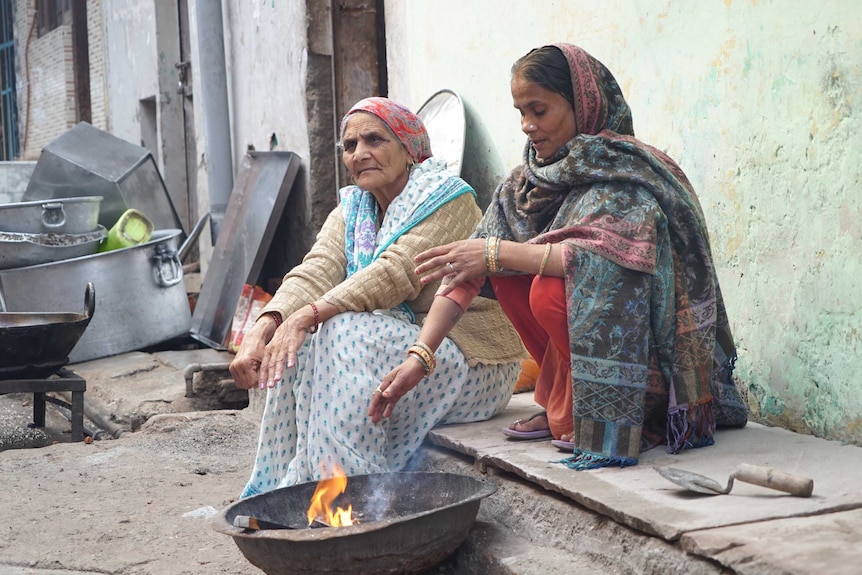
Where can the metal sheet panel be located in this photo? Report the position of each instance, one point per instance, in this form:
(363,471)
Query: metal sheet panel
(256,204)
(86,161)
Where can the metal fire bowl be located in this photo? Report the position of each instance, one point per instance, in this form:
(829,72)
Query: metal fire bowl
(409,522)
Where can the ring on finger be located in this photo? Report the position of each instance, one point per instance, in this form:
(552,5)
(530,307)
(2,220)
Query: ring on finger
(451,267)
(378,390)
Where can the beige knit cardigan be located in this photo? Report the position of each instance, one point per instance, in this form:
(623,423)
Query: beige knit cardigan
(484,334)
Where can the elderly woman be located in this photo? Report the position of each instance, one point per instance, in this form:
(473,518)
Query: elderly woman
(352,310)
(598,252)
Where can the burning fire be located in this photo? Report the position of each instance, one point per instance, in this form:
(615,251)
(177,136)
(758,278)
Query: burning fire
(321,502)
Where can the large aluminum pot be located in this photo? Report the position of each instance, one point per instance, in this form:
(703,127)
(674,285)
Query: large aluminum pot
(65,216)
(20,249)
(142,298)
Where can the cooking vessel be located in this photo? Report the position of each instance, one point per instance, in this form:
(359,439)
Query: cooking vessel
(142,297)
(23,249)
(66,216)
(35,345)
(409,522)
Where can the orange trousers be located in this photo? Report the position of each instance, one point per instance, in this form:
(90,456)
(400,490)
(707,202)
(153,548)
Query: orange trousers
(536,306)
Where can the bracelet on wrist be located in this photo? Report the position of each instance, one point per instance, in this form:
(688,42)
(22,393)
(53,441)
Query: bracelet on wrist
(492,254)
(424,353)
(544,259)
(276,317)
(316,318)
(421,361)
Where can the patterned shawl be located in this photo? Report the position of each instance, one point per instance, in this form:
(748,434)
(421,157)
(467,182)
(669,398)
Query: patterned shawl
(429,186)
(651,349)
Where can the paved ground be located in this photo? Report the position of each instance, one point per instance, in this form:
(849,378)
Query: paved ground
(142,504)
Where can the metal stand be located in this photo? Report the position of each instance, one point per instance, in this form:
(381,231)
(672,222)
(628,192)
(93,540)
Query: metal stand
(63,380)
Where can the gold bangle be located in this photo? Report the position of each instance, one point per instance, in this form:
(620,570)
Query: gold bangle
(425,353)
(492,249)
(425,347)
(545,259)
(429,360)
(420,354)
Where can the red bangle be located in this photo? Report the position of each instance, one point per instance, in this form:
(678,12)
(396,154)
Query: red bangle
(276,317)
(316,318)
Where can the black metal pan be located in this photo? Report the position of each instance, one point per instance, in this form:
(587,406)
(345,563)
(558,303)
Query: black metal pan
(35,345)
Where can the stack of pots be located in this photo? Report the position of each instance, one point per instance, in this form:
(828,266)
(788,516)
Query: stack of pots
(142,296)
(43,231)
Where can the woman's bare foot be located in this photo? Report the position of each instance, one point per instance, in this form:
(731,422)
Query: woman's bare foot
(567,437)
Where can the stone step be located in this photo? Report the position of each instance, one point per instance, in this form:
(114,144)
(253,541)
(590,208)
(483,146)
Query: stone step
(523,529)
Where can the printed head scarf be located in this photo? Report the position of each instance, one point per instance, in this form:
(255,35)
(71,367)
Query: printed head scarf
(406,125)
(599,102)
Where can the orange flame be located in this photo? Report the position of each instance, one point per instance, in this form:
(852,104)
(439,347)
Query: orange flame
(321,502)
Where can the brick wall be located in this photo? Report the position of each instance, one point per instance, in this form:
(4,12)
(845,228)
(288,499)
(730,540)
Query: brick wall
(46,88)
(46,78)
(96,41)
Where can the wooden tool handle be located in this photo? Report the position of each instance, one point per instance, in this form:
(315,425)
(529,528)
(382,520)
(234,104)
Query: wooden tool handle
(768,477)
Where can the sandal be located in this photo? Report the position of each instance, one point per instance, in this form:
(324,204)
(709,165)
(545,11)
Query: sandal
(535,434)
(563,445)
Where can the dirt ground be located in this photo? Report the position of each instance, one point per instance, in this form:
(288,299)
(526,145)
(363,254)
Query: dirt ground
(140,504)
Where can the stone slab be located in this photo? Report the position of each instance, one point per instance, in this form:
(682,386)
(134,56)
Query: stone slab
(132,387)
(820,544)
(642,499)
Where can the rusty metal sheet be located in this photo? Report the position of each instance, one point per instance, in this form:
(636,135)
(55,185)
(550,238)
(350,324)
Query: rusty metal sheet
(255,208)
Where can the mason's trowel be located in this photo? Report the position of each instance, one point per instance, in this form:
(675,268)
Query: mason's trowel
(754,474)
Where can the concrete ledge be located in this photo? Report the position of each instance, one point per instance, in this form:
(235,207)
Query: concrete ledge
(642,500)
(536,532)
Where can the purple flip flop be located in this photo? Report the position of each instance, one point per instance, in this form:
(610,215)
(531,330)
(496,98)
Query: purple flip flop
(537,434)
(563,445)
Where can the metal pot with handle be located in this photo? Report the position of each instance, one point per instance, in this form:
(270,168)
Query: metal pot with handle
(142,298)
(63,216)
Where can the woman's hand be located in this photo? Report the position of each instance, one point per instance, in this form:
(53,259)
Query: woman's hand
(245,367)
(284,345)
(394,386)
(459,261)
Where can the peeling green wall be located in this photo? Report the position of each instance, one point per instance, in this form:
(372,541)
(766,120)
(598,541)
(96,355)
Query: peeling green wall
(761,103)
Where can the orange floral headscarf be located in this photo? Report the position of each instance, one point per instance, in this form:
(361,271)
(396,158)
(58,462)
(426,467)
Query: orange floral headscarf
(404,124)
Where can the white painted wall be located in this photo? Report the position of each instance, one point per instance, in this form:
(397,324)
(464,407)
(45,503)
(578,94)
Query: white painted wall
(759,102)
(266,52)
(132,65)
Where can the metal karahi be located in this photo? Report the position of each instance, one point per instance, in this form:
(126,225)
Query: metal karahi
(409,522)
(34,345)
